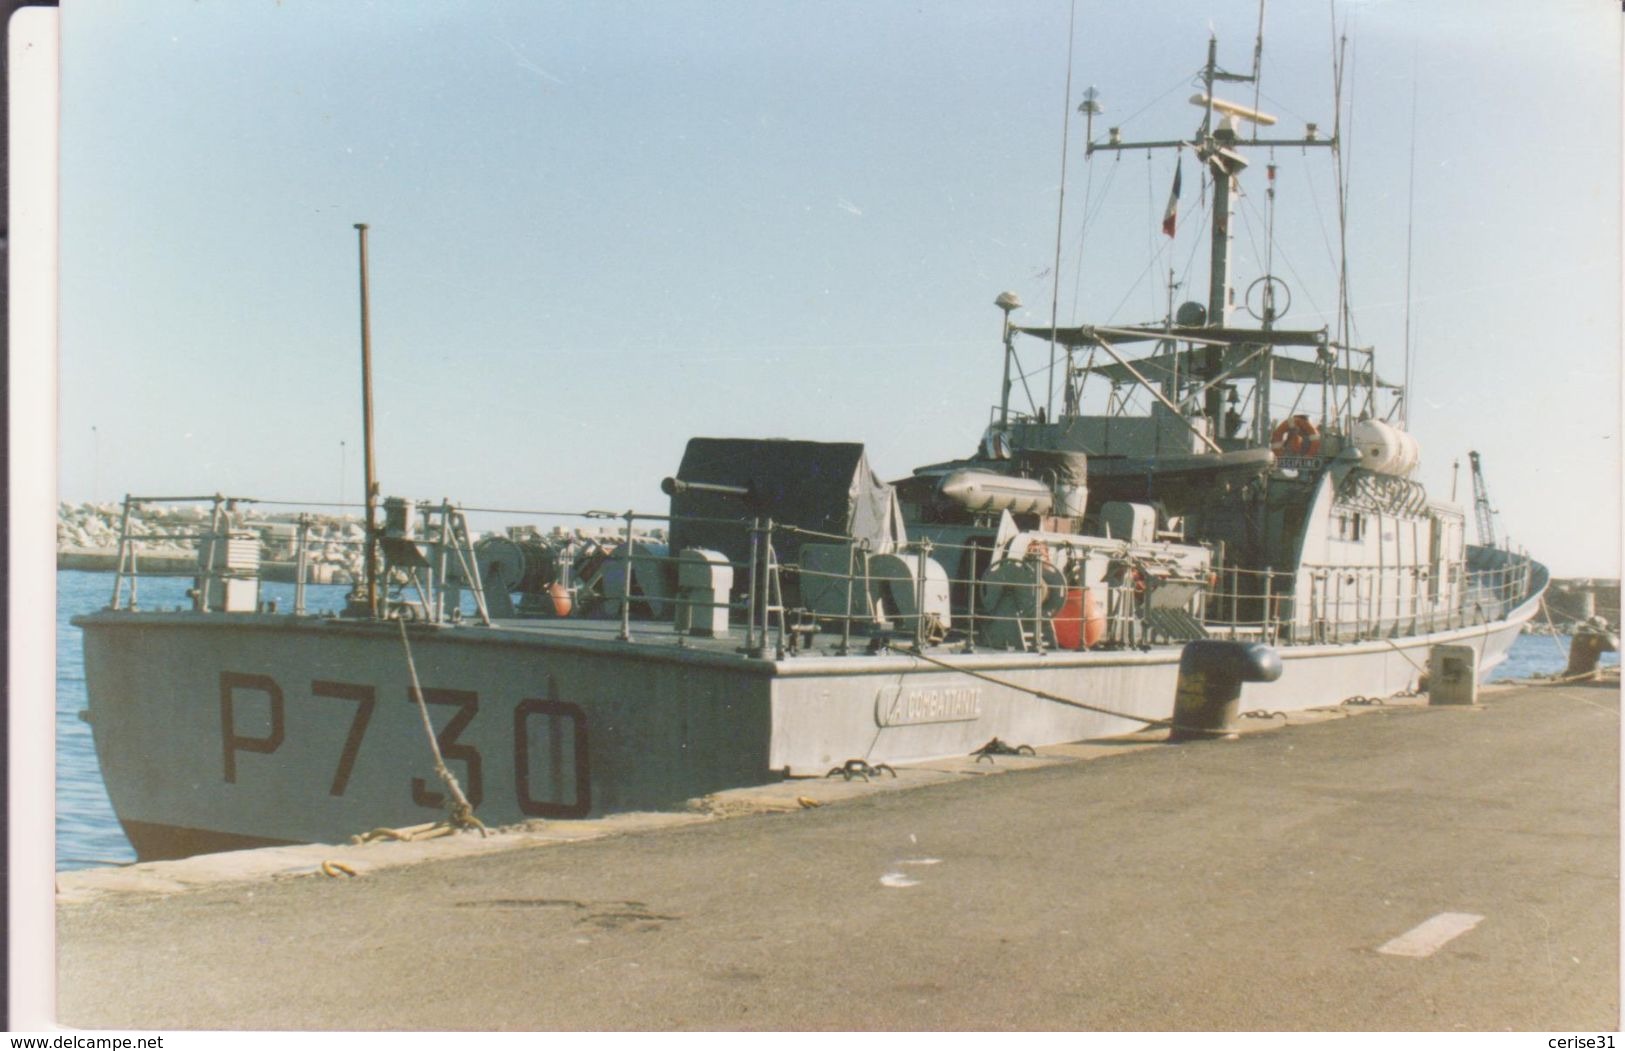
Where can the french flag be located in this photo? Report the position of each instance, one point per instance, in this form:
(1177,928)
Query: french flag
(1171,216)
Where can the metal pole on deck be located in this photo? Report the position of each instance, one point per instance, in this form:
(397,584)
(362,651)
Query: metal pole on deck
(1268,620)
(366,423)
(750,602)
(300,565)
(764,605)
(1038,605)
(1007,301)
(626,583)
(970,622)
(919,595)
(123,554)
(846,619)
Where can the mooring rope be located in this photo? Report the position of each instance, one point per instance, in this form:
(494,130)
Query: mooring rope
(1402,653)
(408,834)
(462,814)
(1168,723)
(1546,611)
(1042,695)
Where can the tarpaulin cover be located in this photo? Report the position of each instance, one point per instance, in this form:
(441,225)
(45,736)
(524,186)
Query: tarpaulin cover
(826,487)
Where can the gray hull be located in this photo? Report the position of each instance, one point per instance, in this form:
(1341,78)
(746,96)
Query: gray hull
(219,731)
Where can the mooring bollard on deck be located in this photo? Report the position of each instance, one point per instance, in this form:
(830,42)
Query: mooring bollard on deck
(1211,672)
(704,579)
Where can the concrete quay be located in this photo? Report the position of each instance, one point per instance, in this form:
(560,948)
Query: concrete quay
(1414,868)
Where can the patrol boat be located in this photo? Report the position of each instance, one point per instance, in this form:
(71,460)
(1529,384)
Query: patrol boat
(791,614)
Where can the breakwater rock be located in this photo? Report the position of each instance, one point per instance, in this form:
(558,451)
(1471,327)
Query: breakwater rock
(166,536)
(1571,602)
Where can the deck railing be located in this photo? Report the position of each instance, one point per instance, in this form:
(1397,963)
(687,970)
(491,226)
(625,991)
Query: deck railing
(926,592)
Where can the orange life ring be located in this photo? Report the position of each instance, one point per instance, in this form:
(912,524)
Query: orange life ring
(1296,436)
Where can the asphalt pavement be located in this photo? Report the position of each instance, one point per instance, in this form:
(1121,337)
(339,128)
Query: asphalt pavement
(1412,869)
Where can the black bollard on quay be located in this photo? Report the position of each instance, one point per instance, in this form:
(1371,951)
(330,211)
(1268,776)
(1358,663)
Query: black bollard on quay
(1211,672)
(1591,640)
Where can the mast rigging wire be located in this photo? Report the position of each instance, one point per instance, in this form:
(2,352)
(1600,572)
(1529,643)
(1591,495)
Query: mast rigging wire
(1285,108)
(1196,244)
(1092,210)
(1083,228)
(1154,261)
(1183,82)
(1090,214)
(1247,227)
(1320,217)
(1277,248)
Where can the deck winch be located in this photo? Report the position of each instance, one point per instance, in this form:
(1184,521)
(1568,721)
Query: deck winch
(524,564)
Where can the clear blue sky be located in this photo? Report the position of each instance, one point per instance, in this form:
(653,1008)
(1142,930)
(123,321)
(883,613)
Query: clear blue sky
(599,229)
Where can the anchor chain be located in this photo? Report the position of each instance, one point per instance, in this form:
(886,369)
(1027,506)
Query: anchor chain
(998,747)
(860,768)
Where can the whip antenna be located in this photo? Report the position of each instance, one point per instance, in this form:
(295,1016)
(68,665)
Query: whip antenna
(1060,213)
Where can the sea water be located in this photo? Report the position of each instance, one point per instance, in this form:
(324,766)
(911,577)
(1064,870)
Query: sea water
(87,833)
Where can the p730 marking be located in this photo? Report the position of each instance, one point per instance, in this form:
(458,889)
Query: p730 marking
(563,729)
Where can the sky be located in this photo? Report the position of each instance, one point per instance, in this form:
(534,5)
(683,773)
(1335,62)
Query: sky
(600,229)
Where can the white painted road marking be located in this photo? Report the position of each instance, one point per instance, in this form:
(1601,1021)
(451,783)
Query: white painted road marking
(897,878)
(1428,937)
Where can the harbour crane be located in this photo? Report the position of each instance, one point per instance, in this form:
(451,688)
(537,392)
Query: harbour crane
(1482,511)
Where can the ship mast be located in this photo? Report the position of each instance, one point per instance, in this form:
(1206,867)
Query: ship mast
(1215,144)
(1224,163)
(1222,168)
(371,482)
